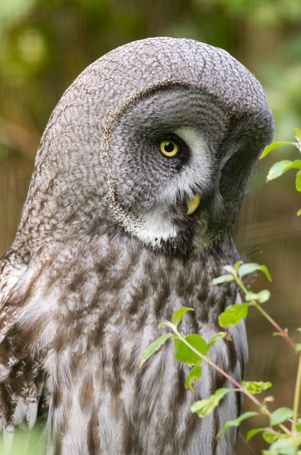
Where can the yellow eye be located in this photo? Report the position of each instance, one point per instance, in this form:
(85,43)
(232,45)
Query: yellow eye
(169,148)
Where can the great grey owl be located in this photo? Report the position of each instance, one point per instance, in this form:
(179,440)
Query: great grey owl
(137,182)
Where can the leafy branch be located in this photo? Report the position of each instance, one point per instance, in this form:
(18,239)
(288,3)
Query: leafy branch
(194,350)
(283,166)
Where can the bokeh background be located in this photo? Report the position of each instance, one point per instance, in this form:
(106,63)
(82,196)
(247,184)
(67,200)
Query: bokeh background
(45,44)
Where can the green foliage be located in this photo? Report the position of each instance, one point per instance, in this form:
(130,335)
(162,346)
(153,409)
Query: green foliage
(154,347)
(185,354)
(236,422)
(280,415)
(261,296)
(281,167)
(233,314)
(194,374)
(205,407)
(255,386)
(246,269)
(25,441)
(178,315)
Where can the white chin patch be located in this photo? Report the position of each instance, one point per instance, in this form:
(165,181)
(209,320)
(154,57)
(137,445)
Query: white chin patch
(155,227)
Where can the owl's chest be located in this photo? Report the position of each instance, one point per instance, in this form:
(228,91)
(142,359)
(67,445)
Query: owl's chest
(128,409)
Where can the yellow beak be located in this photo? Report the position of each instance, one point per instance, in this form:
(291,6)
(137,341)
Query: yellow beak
(192,204)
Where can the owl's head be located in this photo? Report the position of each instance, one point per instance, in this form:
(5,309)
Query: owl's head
(156,140)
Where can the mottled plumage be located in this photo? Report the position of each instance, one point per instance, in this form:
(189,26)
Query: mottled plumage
(105,250)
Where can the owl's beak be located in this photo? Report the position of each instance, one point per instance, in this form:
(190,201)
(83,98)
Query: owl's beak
(193,203)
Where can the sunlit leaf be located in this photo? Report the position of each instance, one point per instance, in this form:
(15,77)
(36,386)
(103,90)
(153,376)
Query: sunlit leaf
(233,314)
(298,137)
(256,386)
(260,297)
(168,324)
(253,432)
(154,347)
(194,374)
(184,354)
(283,447)
(223,279)
(237,265)
(218,336)
(236,422)
(204,407)
(251,267)
(280,415)
(299,212)
(229,269)
(177,316)
(269,437)
(272,146)
(281,167)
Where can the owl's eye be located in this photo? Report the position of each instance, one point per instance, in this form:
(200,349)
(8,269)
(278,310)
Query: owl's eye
(169,148)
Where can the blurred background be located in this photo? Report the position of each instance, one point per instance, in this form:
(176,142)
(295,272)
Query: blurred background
(45,44)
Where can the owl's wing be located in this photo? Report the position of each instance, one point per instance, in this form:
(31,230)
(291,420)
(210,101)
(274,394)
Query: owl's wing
(39,310)
(21,375)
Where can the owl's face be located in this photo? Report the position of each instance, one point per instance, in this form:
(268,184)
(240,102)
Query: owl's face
(168,151)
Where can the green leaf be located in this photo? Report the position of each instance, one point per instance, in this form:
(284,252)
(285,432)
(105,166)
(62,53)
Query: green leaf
(184,354)
(229,269)
(204,407)
(154,347)
(222,279)
(237,265)
(256,386)
(298,347)
(278,169)
(260,297)
(251,267)
(280,415)
(272,146)
(283,447)
(281,167)
(233,314)
(177,316)
(269,437)
(194,374)
(299,212)
(218,336)
(168,324)
(253,432)
(236,422)
(298,181)
(298,137)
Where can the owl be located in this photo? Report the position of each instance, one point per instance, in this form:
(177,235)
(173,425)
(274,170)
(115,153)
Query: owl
(138,179)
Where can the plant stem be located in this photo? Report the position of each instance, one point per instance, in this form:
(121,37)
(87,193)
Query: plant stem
(297,395)
(262,407)
(274,323)
(265,314)
(226,375)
